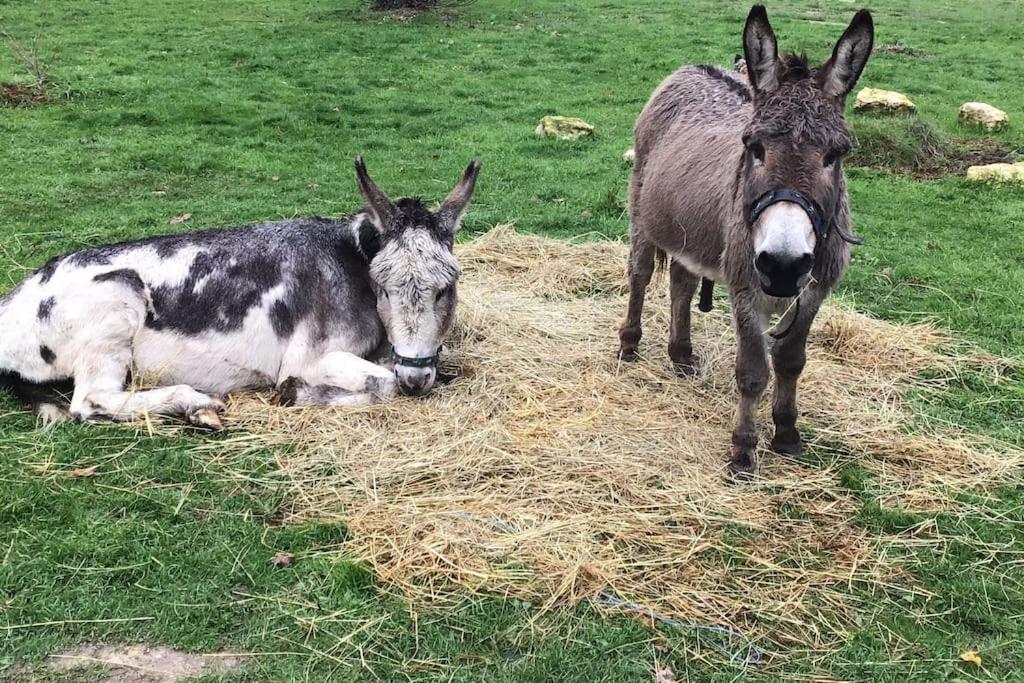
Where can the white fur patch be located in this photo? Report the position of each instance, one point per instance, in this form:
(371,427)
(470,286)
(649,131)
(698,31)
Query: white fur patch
(784,229)
(697,268)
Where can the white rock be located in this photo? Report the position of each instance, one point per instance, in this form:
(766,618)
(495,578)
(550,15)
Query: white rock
(564,128)
(984,115)
(998,174)
(874,99)
(629,156)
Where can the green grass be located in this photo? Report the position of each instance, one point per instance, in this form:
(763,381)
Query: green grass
(193,107)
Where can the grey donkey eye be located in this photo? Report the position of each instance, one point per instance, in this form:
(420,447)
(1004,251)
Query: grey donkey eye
(832,157)
(757,150)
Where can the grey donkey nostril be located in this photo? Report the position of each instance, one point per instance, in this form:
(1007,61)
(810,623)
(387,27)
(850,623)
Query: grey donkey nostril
(804,264)
(765,263)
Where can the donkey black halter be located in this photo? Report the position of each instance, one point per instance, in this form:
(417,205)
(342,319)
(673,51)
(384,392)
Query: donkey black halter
(821,227)
(422,362)
(810,207)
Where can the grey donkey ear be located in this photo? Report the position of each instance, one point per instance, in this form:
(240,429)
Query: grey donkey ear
(840,73)
(378,206)
(761,51)
(454,205)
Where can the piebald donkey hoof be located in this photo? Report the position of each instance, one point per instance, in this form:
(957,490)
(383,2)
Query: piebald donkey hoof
(208,417)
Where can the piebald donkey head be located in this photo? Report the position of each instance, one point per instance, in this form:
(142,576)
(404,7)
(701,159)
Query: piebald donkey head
(415,274)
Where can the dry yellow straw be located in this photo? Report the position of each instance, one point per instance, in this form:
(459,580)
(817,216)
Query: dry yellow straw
(550,471)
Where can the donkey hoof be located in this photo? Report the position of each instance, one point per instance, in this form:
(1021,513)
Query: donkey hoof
(742,469)
(788,442)
(206,418)
(685,367)
(628,354)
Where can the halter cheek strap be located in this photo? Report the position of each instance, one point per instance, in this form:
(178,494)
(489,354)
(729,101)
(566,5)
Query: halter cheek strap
(810,207)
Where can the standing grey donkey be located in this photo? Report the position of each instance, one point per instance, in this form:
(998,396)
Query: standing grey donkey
(740,181)
(304,305)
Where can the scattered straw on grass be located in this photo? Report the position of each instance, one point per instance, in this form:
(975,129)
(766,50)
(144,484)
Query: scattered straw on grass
(550,471)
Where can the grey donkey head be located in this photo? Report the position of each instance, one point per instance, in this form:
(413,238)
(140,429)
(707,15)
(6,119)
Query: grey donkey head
(795,142)
(415,274)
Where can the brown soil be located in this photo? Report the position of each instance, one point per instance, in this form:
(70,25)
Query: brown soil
(901,49)
(948,160)
(21,95)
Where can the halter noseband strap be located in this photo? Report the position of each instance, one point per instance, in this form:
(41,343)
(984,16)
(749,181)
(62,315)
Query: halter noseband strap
(420,362)
(810,207)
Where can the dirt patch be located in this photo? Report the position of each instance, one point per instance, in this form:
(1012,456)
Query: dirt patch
(34,92)
(410,8)
(140,663)
(21,95)
(910,146)
(899,48)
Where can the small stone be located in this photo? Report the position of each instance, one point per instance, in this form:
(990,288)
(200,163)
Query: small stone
(281,560)
(997,174)
(586,213)
(564,128)
(983,115)
(629,156)
(889,101)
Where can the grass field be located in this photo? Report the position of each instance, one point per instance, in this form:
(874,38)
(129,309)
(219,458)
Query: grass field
(241,111)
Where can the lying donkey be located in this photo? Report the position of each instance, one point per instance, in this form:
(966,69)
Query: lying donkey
(741,182)
(305,305)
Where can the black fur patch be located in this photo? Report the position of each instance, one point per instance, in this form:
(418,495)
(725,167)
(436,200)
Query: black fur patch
(45,308)
(288,392)
(90,257)
(730,82)
(413,213)
(369,239)
(47,271)
(220,289)
(32,394)
(47,354)
(124,275)
(282,320)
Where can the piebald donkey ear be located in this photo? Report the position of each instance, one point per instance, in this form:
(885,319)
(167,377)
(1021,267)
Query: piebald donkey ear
(379,207)
(840,73)
(761,51)
(454,205)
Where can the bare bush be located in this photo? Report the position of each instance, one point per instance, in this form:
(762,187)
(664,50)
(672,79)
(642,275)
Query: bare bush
(36,91)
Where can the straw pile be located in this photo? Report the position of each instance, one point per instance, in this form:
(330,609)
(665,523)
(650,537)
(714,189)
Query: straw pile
(550,471)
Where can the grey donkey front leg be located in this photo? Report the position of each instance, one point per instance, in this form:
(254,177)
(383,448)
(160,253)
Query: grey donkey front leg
(641,267)
(751,380)
(789,355)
